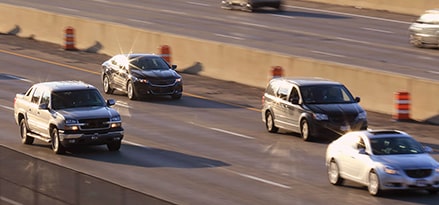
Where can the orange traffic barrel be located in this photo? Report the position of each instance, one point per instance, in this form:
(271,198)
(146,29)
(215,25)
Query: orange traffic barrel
(69,39)
(165,52)
(402,106)
(277,71)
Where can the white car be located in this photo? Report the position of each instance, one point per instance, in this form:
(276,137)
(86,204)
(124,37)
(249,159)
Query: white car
(382,160)
(250,5)
(424,31)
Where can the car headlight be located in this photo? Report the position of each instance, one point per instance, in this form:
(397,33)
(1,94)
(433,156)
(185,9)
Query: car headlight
(362,116)
(178,80)
(115,121)
(437,169)
(320,116)
(390,170)
(71,124)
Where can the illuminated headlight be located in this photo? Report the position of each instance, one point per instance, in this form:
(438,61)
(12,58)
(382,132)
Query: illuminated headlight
(362,116)
(320,116)
(115,121)
(143,80)
(390,170)
(71,124)
(178,80)
(437,169)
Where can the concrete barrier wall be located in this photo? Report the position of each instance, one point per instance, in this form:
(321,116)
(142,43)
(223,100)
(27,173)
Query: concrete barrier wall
(412,7)
(223,61)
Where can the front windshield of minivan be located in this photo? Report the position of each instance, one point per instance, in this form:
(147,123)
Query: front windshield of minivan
(326,94)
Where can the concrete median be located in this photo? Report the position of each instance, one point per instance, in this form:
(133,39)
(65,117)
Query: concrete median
(223,61)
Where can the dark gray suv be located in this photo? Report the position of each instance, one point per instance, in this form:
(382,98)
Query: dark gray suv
(311,107)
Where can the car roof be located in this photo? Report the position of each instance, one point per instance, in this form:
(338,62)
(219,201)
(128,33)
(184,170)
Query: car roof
(135,55)
(304,81)
(430,16)
(65,85)
(373,134)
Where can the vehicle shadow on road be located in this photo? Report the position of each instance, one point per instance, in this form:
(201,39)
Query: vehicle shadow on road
(142,156)
(301,14)
(193,101)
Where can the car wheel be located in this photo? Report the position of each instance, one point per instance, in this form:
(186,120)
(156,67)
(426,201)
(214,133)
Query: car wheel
(25,139)
(131,91)
(334,174)
(304,130)
(57,147)
(107,87)
(374,184)
(269,123)
(114,146)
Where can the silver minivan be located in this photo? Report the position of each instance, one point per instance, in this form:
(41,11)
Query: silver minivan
(424,32)
(251,5)
(311,107)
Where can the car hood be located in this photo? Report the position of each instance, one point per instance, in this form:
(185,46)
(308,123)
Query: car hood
(342,108)
(156,74)
(88,112)
(408,161)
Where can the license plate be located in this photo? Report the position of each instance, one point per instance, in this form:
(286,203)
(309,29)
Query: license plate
(345,128)
(421,183)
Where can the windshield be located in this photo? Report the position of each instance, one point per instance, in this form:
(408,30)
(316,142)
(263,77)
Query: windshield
(76,98)
(396,145)
(149,63)
(324,94)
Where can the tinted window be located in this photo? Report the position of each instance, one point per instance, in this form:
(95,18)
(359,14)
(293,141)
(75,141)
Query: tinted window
(149,63)
(77,98)
(37,94)
(324,94)
(396,145)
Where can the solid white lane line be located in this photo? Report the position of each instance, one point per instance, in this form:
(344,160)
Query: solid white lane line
(264,180)
(231,133)
(140,21)
(329,54)
(377,30)
(9,201)
(197,3)
(227,36)
(7,107)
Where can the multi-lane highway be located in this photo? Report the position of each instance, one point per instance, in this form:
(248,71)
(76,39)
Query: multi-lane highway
(211,147)
(372,39)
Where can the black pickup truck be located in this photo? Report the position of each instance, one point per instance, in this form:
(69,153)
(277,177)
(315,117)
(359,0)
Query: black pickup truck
(67,113)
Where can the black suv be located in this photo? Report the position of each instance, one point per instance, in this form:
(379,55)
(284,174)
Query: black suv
(141,75)
(311,107)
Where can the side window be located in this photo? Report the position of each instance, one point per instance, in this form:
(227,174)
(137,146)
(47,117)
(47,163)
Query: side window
(46,98)
(294,96)
(28,93)
(37,95)
(361,144)
(283,92)
(271,88)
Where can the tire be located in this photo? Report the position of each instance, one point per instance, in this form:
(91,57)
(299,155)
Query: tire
(131,92)
(269,123)
(106,85)
(334,174)
(57,147)
(114,146)
(304,130)
(25,139)
(374,184)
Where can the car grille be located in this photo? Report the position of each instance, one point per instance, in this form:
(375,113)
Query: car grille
(418,173)
(162,82)
(342,118)
(98,123)
(162,89)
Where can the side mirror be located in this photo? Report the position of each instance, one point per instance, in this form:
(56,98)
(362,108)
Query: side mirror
(43,106)
(357,99)
(362,151)
(174,67)
(428,149)
(111,102)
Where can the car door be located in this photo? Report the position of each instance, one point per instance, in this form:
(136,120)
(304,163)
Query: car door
(356,159)
(44,114)
(293,109)
(280,106)
(32,110)
(118,71)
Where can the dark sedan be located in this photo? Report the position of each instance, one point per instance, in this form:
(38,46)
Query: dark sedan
(141,75)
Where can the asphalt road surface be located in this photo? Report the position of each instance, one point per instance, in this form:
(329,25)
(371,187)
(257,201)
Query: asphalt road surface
(210,147)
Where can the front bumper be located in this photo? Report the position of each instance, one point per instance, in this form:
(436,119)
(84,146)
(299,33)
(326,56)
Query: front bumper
(68,139)
(150,89)
(318,127)
(401,182)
